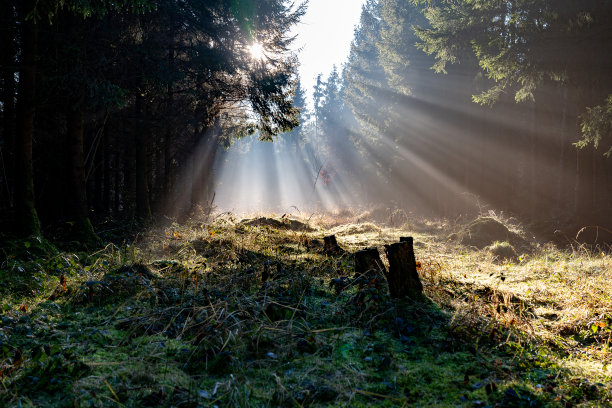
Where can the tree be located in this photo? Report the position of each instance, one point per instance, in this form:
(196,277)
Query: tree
(7,65)
(27,222)
(551,55)
(296,136)
(406,67)
(364,76)
(144,83)
(596,126)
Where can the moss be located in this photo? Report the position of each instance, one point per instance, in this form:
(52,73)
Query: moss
(84,232)
(216,346)
(31,248)
(28,223)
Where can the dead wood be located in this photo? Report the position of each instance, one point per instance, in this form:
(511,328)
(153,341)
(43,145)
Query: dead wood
(330,245)
(367,261)
(402,277)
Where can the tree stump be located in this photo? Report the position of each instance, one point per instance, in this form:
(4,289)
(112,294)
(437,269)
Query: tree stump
(367,261)
(368,266)
(330,245)
(402,277)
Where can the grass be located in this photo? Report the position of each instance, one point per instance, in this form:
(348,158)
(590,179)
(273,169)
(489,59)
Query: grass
(180,317)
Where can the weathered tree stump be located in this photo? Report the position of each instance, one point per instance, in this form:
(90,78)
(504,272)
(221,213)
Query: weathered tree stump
(330,245)
(402,277)
(368,266)
(367,261)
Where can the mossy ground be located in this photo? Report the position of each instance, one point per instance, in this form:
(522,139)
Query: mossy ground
(180,317)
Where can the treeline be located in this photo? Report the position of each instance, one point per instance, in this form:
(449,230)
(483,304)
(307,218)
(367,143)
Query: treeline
(504,104)
(106,103)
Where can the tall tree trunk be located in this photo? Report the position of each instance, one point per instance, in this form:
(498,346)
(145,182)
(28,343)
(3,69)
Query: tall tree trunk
(143,209)
(204,162)
(118,149)
(27,222)
(583,189)
(564,143)
(533,161)
(80,210)
(169,173)
(7,60)
(157,188)
(129,176)
(106,190)
(98,175)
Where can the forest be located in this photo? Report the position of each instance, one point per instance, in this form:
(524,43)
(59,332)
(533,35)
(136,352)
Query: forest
(185,223)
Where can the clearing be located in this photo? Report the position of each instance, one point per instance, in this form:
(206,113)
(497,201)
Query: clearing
(180,317)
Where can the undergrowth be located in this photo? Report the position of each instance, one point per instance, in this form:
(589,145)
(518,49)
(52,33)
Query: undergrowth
(241,314)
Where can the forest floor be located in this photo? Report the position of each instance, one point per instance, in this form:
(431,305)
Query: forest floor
(179,317)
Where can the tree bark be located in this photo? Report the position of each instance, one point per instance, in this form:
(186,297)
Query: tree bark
(129,174)
(203,177)
(402,277)
(143,208)
(99,160)
(27,222)
(533,160)
(561,192)
(157,177)
(76,159)
(330,245)
(7,60)
(169,173)
(117,156)
(106,193)
(367,261)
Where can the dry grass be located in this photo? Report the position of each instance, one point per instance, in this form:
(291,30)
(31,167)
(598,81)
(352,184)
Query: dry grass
(202,326)
(550,296)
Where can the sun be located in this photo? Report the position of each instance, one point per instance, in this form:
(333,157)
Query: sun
(257,51)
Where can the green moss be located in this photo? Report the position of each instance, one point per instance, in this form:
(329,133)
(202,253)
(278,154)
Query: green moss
(148,337)
(34,247)
(85,234)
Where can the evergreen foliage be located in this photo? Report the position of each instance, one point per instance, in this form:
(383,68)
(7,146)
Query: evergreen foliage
(540,69)
(125,90)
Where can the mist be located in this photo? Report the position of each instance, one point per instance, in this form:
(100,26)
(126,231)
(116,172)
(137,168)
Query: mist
(392,128)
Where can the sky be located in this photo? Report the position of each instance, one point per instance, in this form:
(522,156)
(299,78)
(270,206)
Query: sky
(325,36)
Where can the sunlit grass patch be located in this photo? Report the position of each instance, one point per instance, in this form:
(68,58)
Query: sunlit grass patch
(228,314)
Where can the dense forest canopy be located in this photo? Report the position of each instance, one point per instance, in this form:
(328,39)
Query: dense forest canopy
(443,107)
(104,101)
